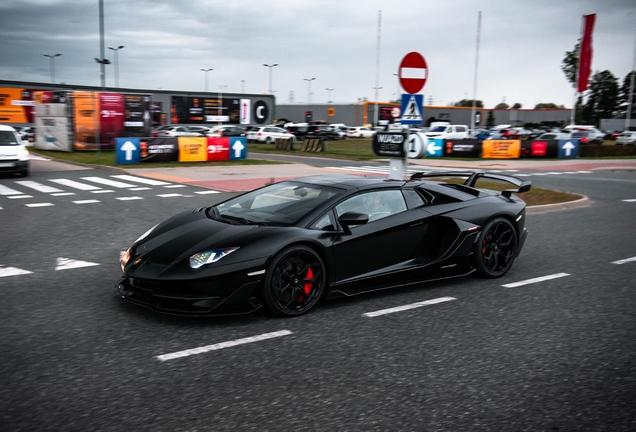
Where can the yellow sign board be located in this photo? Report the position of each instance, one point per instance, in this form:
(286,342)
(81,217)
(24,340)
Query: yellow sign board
(501,149)
(192,149)
(331,112)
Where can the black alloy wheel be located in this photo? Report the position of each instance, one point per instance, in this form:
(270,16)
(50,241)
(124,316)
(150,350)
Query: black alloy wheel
(294,282)
(496,248)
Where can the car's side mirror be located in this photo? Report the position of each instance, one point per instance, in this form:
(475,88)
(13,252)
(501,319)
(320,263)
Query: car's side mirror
(352,218)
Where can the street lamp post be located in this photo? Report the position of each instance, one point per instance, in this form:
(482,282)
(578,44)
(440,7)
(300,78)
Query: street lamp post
(309,80)
(329,90)
(270,75)
(375,111)
(397,92)
(205,71)
(116,64)
(52,57)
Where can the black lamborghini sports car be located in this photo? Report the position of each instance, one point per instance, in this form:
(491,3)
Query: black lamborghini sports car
(289,244)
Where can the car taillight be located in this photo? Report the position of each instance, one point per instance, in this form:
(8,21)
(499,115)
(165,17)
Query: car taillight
(259,133)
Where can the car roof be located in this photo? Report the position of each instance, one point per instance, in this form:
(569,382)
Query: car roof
(7,128)
(347,181)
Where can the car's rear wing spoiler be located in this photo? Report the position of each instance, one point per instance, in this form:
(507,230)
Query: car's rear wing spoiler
(473,176)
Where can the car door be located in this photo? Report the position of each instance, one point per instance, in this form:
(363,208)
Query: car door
(381,251)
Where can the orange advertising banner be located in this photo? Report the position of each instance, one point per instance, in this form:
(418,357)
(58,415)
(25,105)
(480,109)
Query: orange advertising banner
(193,149)
(86,120)
(14,107)
(501,149)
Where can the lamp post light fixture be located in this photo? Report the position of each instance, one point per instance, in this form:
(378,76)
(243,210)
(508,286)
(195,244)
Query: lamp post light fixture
(309,80)
(270,75)
(52,57)
(116,63)
(206,71)
(329,90)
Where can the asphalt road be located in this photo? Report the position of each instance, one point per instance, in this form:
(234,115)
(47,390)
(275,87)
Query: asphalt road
(557,354)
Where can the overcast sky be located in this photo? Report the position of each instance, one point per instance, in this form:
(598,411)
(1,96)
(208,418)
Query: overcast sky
(168,42)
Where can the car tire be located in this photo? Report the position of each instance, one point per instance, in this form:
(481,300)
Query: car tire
(268,140)
(295,281)
(25,173)
(496,248)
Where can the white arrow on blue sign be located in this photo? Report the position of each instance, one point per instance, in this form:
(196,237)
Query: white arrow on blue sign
(127,150)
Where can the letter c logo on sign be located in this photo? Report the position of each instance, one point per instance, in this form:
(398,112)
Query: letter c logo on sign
(261,112)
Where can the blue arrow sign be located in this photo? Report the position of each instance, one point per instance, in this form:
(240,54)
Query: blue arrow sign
(127,150)
(434,147)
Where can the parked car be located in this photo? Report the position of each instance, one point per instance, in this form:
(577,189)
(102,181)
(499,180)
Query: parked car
(325,131)
(449,132)
(268,134)
(176,131)
(587,137)
(14,156)
(226,131)
(360,132)
(289,244)
(26,133)
(299,130)
(627,138)
(203,130)
(553,136)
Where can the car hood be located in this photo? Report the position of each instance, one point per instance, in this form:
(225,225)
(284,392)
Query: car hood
(170,245)
(10,151)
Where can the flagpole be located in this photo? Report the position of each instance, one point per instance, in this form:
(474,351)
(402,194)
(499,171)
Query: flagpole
(578,71)
(631,91)
(472,113)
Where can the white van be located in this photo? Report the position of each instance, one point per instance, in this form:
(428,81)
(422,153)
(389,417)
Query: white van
(448,132)
(14,156)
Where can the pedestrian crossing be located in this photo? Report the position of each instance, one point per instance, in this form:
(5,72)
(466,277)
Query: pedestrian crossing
(412,169)
(31,190)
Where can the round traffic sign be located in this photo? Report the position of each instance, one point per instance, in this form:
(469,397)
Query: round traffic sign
(413,72)
(416,145)
(395,112)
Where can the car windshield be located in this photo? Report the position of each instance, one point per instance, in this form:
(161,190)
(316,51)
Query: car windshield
(8,138)
(281,204)
(438,129)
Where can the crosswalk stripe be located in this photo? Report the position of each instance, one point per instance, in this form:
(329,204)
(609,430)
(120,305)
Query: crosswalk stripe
(40,205)
(38,186)
(142,180)
(75,184)
(4,190)
(108,182)
(131,198)
(86,201)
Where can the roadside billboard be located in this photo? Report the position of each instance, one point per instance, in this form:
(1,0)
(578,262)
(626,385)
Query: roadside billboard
(501,149)
(16,105)
(194,109)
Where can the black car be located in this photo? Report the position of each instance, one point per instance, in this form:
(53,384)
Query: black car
(325,132)
(289,244)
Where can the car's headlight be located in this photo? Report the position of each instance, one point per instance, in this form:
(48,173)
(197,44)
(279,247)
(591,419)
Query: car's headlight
(23,154)
(125,258)
(207,257)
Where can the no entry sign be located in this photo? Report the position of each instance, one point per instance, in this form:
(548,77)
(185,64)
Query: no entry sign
(413,72)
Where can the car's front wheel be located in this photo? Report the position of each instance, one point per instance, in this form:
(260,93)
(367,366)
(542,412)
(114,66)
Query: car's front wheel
(495,251)
(294,282)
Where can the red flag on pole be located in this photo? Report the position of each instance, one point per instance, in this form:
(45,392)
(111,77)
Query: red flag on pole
(585,52)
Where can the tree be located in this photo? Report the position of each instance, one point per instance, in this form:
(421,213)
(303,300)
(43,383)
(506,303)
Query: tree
(517,105)
(502,105)
(623,95)
(602,100)
(546,105)
(570,64)
(469,103)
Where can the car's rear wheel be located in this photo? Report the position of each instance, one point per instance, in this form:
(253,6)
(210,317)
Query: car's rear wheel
(294,282)
(495,251)
(268,140)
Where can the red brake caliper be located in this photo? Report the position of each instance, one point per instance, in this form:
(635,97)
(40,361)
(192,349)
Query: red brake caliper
(307,287)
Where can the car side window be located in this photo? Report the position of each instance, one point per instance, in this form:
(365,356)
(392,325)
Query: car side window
(376,204)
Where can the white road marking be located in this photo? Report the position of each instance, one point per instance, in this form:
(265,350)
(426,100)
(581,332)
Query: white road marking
(140,188)
(169,195)
(67,263)
(535,280)
(101,191)
(207,192)
(12,271)
(630,200)
(75,185)
(38,186)
(107,182)
(175,186)
(142,180)
(86,201)
(19,196)
(407,307)
(4,190)
(623,261)
(129,198)
(63,194)
(222,345)
(39,205)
